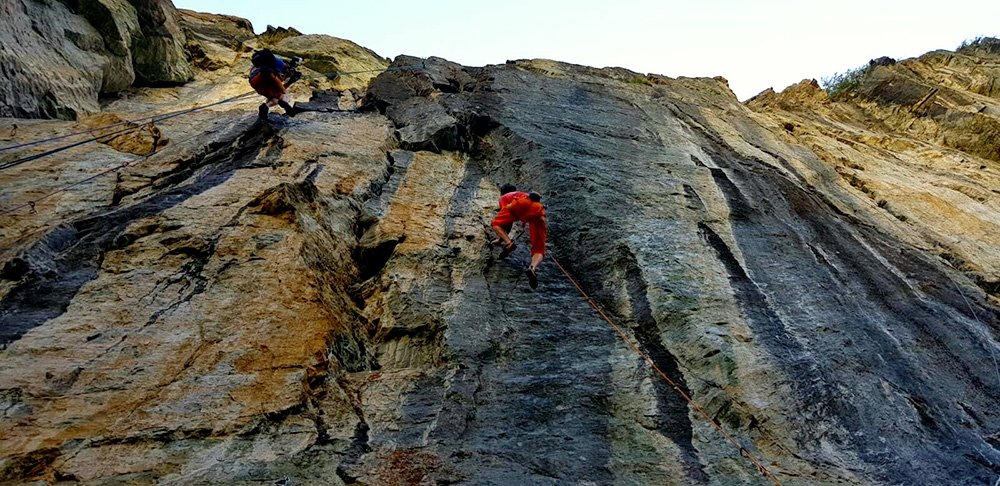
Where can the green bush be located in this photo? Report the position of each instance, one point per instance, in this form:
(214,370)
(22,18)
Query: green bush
(980,43)
(968,44)
(840,84)
(640,80)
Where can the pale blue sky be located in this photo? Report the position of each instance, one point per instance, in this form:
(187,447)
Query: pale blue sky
(754,44)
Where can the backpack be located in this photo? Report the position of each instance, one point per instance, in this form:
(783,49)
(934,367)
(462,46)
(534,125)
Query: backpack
(265,59)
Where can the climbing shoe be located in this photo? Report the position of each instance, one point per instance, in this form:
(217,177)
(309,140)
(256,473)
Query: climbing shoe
(289,109)
(532,278)
(262,112)
(507,250)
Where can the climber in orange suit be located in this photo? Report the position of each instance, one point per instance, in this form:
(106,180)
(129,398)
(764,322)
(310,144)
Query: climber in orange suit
(269,78)
(508,193)
(528,210)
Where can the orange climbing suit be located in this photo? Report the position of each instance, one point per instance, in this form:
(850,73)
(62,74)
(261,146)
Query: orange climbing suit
(267,84)
(523,209)
(507,199)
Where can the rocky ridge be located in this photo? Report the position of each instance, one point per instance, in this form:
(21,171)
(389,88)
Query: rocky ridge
(314,299)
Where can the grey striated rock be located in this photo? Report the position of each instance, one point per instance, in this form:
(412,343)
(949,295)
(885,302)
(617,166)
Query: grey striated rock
(736,269)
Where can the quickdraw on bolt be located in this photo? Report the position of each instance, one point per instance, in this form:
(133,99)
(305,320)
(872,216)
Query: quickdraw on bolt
(32,210)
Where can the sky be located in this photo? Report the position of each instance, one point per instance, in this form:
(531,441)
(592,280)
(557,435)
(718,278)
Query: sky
(755,44)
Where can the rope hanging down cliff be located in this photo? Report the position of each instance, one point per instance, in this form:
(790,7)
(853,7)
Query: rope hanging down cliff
(137,121)
(743,451)
(115,169)
(127,129)
(136,124)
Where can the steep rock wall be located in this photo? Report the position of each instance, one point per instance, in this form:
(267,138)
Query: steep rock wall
(316,300)
(736,258)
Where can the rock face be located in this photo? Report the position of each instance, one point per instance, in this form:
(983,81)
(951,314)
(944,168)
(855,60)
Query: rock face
(316,301)
(214,41)
(325,54)
(58,56)
(54,62)
(158,53)
(920,139)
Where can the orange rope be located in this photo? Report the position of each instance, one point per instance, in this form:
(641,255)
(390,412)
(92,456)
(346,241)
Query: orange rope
(743,451)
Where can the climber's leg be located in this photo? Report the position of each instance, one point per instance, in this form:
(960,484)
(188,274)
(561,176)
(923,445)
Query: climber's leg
(501,226)
(538,231)
(285,103)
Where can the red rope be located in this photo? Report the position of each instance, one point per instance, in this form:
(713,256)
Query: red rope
(742,450)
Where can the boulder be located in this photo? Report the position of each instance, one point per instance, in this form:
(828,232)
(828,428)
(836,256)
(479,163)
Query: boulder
(436,76)
(58,57)
(214,41)
(882,61)
(158,54)
(226,30)
(325,54)
(118,23)
(432,127)
(54,62)
(446,125)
